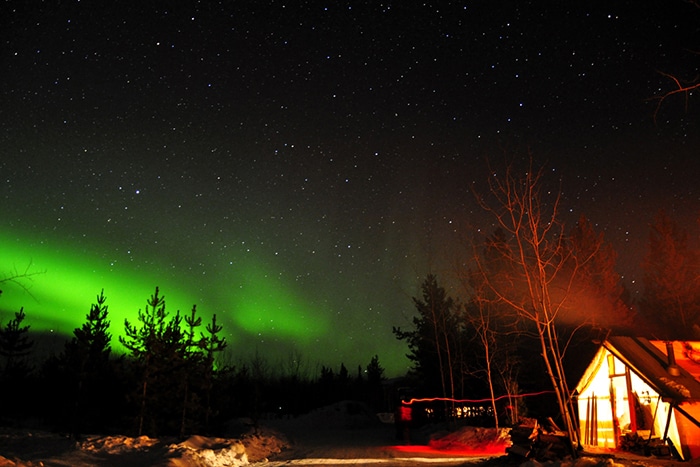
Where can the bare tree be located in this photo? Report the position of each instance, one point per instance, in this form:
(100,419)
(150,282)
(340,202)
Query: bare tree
(486,335)
(541,267)
(295,367)
(493,324)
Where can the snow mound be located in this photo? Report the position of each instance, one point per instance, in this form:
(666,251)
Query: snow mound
(196,451)
(5,462)
(263,442)
(470,438)
(201,451)
(117,444)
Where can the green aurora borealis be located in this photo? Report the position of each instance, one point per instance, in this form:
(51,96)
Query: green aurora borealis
(258,309)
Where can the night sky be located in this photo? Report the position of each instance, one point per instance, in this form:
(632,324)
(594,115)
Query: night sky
(298,168)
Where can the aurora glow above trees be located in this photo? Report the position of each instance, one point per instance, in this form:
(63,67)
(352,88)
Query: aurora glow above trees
(65,278)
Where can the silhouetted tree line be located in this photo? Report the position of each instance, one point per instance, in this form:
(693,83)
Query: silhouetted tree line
(171,381)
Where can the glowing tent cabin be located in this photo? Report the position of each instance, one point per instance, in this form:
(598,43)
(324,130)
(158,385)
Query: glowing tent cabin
(647,388)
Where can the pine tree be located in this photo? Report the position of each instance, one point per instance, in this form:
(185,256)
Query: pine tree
(375,377)
(159,348)
(435,341)
(327,384)
(15,345)
(671,300)
(91,342)
(193,367)
(375,371)
(212,344)
(597,288)
(86,359)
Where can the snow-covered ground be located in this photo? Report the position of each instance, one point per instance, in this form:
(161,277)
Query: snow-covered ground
(340,434)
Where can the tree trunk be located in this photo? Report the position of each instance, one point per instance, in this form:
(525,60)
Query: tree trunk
(143,406)
(490,380)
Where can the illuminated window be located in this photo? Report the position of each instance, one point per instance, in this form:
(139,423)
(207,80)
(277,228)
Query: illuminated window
(611,365)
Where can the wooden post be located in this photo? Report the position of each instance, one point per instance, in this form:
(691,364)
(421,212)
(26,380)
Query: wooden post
(615,421)
(631,400)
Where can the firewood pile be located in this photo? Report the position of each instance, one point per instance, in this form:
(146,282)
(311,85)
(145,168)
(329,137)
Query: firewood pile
(533,440)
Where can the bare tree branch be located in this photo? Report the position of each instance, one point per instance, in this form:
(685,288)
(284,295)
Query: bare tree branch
(20,278)
(681,88)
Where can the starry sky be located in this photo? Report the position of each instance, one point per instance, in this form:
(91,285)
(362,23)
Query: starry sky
(298,168)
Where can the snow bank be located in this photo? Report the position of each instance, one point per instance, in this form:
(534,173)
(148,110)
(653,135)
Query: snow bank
(470,438)
(195,451)
(263,442)
(5,462)
(117,444)
(207,452)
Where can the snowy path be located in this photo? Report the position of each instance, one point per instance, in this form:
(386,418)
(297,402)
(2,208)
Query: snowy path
(375,445)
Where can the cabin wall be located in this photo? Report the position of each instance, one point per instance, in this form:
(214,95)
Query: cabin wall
(604,406)
(597,404)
